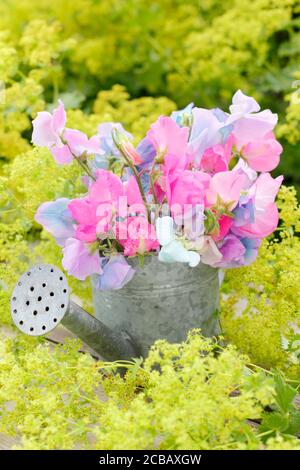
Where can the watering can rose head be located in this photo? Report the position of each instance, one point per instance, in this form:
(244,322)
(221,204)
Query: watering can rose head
(196,188)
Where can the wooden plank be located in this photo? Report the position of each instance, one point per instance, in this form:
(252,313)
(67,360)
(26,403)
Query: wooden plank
(7,442)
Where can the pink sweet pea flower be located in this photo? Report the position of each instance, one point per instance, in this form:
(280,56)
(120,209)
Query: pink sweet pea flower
(249,124)
(83,211)
(217,158)
(171,144)
(263,192)
(137,236)
(168,138)
(79,261)
(226,187)
(49,131)
(79,143)
(48,128)
(108,187)
(188,188)
(94,213)
(263,154)
(225,224)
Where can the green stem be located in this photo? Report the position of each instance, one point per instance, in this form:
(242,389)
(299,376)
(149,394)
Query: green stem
(152,183)
(84,166)
(136,175)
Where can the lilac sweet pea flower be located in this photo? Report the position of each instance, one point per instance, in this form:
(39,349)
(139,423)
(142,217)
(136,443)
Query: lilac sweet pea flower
(147,152)
(56,218)
(79,261)
(116,272)
(208,129)
(238,252)
(244,213)
(232,251)
(252,245)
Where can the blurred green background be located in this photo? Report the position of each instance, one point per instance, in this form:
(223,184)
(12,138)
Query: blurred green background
(180,50)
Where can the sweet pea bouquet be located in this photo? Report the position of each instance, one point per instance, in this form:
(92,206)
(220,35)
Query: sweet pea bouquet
(196,188)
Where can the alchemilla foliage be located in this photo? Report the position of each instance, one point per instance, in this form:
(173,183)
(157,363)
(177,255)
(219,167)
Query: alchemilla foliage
(135,63)
(201,399)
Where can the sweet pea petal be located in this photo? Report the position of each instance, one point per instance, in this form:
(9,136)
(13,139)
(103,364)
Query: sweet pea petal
(165,230)
(59,118)
(56,219)
(175,252)
(43,135)
(116,273)
(78,261)
(62,154)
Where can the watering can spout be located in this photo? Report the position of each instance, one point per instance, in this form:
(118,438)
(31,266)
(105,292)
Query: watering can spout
(41,300)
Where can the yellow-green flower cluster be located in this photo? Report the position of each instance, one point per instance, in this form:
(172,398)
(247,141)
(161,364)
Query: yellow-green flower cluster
(59,399)
(261,303)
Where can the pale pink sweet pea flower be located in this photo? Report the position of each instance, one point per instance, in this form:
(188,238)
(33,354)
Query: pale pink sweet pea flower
(79,261)
(209,251)
(48,128)
(226,187)
(248,123)
(262,154)
(79,143)
(263,192)
(49,131)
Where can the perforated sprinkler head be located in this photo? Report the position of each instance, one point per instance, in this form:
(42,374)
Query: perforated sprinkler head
(41,300)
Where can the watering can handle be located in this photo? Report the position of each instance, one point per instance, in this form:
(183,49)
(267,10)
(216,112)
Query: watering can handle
(41,300)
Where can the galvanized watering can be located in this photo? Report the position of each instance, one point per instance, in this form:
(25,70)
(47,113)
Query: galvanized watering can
(161,301)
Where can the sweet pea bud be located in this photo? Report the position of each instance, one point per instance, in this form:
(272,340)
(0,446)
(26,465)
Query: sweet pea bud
(186,119)
(160,156)
(211,223)
(125,146)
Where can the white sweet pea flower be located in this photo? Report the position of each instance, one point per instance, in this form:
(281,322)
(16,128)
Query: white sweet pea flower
(172,250)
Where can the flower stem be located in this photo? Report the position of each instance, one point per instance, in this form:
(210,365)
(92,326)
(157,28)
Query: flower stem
(136,175)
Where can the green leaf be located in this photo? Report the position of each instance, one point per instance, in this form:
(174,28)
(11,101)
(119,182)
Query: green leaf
(274,422)
(285,394)
(294,423)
